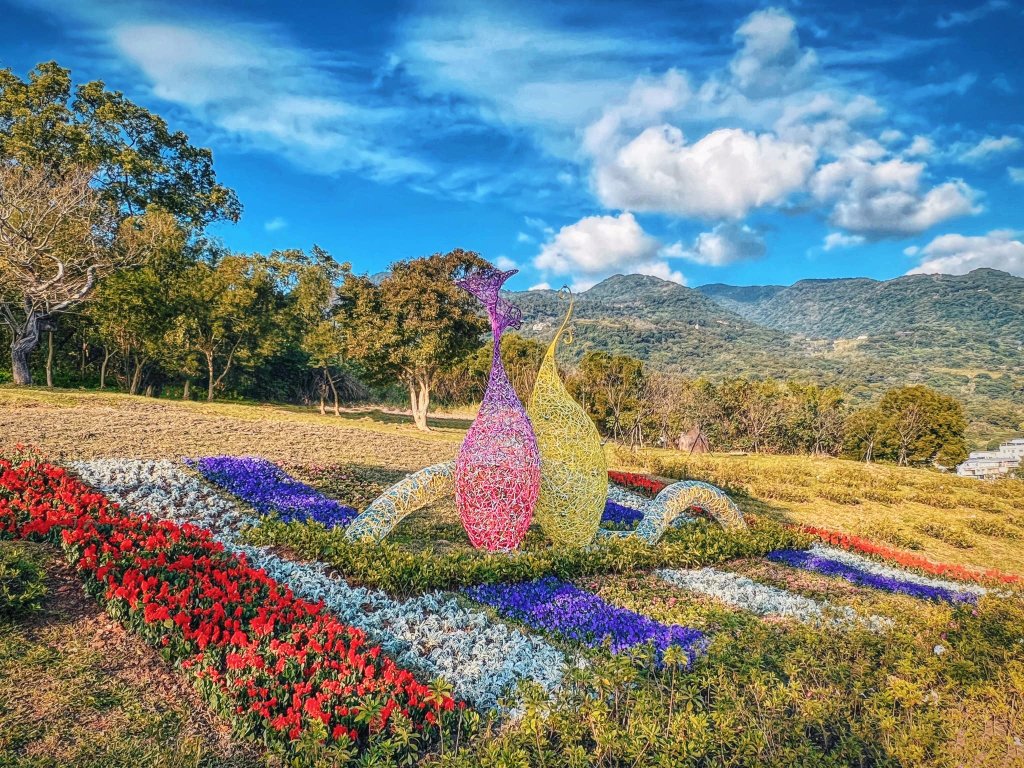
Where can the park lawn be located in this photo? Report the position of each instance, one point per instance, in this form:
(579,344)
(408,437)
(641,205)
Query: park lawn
(76,689)
(354,457)
(947,518)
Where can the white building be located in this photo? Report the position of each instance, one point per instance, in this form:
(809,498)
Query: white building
(989,464)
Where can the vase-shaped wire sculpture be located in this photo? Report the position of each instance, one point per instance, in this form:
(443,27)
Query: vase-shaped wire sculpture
(573,469)
(497,472)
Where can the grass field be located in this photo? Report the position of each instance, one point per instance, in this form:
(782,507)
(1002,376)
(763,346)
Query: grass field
(942,686)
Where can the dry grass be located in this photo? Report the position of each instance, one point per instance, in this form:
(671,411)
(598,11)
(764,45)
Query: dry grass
(73,425)
(948,518)
(75,689)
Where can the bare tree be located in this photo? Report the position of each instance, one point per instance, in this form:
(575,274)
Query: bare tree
(58,237)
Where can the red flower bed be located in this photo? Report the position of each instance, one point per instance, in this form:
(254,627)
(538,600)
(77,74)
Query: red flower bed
(858,544)
(643,483)
(280,668)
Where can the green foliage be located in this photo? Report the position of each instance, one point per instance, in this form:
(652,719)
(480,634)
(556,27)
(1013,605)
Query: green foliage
(22,581)
(402,571)
(47,121)
(413,324)
(910,425)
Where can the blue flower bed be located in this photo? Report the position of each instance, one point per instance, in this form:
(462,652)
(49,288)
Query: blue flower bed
(552,605)
(620,517)
(269,489)
(810,561)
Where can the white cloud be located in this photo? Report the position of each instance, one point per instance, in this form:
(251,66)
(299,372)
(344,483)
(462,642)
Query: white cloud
(911,250)
(835,240)
(890,135)
(771,61)
(522,237)
(723,175)
(505,263)
(921,146)
(725,244)
(956,18)
(540,287)
(275,224)
(959,254)
(598,246)
(988,146)
(252,84)
(885,198)
(1016,175)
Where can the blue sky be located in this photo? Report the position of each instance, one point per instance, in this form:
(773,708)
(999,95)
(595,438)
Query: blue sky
(701,142)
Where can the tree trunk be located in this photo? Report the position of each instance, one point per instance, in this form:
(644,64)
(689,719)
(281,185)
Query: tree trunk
(133,387)
(19,366)
(210,379)
(103,368)
(186,393)
(26,339)
(49,359)
(420,403)
(334,391)
(323,404)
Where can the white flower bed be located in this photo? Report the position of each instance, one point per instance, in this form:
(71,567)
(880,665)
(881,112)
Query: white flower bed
(431,634)
(764,600)
(888,571)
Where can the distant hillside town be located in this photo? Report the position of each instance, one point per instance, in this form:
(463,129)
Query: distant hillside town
(990,464)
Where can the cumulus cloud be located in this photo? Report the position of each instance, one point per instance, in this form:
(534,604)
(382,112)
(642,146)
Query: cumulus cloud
(886,198)
(598,246)
(275,224)
(959,254)
(989,146)
(725,244)
(540,287)
(921,146)
(505,263)
(835,240)
(771,61)
(1016,175)
(725,174)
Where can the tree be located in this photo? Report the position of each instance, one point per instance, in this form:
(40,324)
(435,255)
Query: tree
(864,429)
(608,386)
(48,123)
(57,238)
(230,315)
(414,324)
(926,427)
(315,305)
(58,221)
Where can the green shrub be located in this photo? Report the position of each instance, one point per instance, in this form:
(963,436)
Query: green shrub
(988,526)
(401,571)
(22,586)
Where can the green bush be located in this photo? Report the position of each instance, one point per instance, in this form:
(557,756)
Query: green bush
(947,533)
(22,586)
(401,571)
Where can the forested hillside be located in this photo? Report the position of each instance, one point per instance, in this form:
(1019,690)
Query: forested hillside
(960,334)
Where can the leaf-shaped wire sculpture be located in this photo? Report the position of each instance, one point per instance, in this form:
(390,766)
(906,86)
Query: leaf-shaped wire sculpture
(573,469)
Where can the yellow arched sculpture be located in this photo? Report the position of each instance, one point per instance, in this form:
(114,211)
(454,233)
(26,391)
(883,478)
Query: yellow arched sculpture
(573,471)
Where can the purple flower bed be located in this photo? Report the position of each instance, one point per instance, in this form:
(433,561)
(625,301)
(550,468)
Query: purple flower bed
(553,605)
(619,516)
(818,564)
(270,489)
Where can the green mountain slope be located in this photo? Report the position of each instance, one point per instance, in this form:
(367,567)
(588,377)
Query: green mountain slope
(961,334)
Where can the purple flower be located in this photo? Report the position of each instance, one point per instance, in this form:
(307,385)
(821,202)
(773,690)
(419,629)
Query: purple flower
(620,517)
(269,489)
(553,605)
(820,564)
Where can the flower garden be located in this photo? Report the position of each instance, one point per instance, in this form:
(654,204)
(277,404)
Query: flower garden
(763,646)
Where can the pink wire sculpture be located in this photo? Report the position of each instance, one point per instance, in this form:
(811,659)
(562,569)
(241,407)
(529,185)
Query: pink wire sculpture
(497,473)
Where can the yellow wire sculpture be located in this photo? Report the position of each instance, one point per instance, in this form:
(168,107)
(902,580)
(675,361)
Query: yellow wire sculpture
(674,503)
(573,469)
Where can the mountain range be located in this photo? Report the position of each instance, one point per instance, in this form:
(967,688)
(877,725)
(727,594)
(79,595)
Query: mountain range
(963,334)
